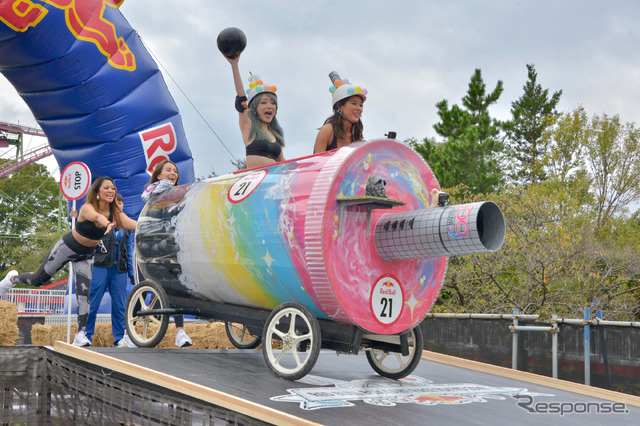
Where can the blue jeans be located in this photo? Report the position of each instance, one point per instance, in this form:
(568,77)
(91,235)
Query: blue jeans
(108,279)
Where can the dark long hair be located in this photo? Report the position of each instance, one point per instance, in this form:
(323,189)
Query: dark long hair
(92,198)
(337,121)
(158,169)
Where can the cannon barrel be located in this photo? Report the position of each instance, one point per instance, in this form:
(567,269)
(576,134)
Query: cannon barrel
(444,231)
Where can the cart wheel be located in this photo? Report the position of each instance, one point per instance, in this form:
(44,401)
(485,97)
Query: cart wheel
(299,331)
(393,364)
(146,331)
(240,336)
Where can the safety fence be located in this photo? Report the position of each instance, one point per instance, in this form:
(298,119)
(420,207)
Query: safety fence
(42,387)
(588,350)
(36,301)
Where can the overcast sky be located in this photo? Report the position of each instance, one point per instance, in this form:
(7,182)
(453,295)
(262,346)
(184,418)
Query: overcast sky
(409,55)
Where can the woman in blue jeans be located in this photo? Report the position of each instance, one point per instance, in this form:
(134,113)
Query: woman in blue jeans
(112,272)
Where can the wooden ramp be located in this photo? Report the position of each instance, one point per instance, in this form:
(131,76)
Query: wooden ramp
(343,389)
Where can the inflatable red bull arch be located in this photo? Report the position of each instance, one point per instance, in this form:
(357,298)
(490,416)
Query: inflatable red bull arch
(94,90)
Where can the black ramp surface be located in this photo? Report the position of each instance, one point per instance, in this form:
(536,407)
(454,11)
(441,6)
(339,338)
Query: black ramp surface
(343,389)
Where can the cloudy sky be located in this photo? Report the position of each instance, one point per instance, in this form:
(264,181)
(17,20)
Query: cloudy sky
(409,55)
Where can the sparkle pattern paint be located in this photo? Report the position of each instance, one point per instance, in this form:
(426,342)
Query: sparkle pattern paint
(357,267)
(248,249)
(269,236)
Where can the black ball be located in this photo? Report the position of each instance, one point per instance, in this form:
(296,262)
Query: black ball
(231,42)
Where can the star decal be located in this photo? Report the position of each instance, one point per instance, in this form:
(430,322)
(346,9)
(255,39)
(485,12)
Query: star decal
(412,303)
(268,259)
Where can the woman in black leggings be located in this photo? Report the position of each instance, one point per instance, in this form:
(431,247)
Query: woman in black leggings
(97,216)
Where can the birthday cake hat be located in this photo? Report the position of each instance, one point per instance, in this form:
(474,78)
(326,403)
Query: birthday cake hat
(342,89)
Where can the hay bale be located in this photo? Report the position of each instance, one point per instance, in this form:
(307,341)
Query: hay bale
(204,335)
(47,335)
(208,336)
(9,331)
(102,336)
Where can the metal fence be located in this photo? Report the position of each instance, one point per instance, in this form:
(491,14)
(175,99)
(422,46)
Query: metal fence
(591,350)
(73,319)
(36,301)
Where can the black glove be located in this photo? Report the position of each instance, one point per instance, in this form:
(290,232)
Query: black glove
(240,100)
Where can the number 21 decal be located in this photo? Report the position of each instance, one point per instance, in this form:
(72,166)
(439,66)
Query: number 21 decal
(386,299)
(244,186)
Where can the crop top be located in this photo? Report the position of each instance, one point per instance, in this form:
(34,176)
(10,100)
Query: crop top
(334,144)
(264,148)
(89,229)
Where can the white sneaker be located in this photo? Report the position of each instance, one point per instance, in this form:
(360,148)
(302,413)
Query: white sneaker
(6,284)
(182,339)
(81,339)
(126,342)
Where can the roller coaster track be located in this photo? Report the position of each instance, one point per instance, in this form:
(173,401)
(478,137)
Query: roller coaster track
(27,158)
(17,128)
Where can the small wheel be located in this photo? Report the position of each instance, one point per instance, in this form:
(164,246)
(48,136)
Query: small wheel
(299,331)
(393,364)
(240,336)
(146,331)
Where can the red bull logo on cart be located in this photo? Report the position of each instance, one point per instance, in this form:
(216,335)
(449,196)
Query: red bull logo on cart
(387,299)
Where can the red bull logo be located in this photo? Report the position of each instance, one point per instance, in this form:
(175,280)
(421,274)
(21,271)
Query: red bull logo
(386,299)
(157,143)
(19,15)
(81,19)
(66,180)
(387,287)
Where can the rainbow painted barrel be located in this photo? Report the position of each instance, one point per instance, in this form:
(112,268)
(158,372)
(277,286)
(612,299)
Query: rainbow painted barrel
(306,230)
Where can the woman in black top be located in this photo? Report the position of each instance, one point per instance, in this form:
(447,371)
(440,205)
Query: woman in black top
(97,216)
(261,133)
(344,126)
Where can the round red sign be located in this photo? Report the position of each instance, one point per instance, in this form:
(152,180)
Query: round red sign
(75,180)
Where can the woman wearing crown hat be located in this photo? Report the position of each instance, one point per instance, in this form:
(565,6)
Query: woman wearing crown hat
(344,126)
(261,133)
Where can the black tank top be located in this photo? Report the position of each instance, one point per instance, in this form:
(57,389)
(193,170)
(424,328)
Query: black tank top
(334,144)
(89,229)
(264,148)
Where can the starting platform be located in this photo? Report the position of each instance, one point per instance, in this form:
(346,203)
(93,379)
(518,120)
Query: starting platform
(343,389)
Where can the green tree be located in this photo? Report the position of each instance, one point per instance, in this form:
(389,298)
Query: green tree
(613,159)
(28,217)
(552,262)
(525,145)
(469,151)
(598,159)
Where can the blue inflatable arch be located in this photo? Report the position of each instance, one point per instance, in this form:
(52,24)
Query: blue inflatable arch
(94,90)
